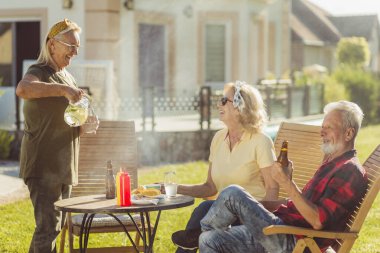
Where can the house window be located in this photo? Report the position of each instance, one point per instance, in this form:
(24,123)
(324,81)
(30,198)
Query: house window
(14,49)
(6,49)
(152,53)
(215,53)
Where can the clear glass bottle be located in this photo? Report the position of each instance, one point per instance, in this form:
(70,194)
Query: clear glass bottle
(110,182)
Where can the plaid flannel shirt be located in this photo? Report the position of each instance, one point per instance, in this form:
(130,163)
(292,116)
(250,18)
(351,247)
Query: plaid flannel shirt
(336,188)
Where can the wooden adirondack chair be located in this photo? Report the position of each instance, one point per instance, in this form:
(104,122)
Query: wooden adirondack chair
(116,141)
(304,150)
(346,239)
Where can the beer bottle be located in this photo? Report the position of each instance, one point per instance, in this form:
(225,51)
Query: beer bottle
(110,182)
(283,156)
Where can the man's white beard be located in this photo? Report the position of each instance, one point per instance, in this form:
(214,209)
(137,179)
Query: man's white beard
(329,148)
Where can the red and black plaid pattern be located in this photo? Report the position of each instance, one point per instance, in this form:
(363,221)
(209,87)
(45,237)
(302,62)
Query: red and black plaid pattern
(336,188)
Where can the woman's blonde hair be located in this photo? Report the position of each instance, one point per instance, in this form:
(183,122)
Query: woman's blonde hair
(56,31)
(253,115)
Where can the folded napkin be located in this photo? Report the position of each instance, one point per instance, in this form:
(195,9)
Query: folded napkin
(153,201)
(147,200)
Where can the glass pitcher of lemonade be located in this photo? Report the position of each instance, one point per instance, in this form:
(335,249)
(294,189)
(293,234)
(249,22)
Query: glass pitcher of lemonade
(76,113)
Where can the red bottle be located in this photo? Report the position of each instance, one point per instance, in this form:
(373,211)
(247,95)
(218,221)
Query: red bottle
(125,189)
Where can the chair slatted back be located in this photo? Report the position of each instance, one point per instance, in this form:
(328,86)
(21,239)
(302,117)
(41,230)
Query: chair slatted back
(115,141)
(304,150)
(372,167)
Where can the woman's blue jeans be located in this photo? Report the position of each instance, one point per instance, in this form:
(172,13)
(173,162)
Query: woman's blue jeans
(195,220)
(235,204)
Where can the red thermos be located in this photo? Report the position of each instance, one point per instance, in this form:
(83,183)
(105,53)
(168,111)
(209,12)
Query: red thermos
(125,189)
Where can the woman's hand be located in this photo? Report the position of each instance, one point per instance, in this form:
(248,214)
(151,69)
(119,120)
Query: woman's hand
(72,94)
(207,189)
(162,187)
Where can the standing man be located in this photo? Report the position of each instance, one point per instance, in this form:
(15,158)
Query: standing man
(326,202)
(50,147)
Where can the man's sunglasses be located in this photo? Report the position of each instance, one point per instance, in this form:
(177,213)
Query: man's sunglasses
(224,100)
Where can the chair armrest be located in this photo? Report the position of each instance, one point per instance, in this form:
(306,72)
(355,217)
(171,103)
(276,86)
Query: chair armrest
(283,229)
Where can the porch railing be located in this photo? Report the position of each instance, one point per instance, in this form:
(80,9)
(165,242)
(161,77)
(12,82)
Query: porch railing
(282,99)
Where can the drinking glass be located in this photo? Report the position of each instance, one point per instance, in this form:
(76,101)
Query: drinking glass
(170,183)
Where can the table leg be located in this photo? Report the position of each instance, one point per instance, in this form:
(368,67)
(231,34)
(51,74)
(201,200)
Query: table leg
(152,232)
(147,234)
(81,231)
(85,231)
(125,229)
(143,230)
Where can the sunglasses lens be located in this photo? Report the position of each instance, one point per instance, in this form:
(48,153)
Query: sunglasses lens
(223,101)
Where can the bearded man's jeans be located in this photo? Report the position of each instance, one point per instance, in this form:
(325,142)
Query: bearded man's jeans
(235,204)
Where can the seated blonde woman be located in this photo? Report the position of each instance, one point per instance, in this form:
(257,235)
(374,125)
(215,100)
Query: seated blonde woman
(239,154)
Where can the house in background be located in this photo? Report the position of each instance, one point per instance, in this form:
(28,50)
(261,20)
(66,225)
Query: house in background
(366,26)
(315,34)
(175,46)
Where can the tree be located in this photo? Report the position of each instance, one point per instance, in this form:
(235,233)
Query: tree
(361,85)
(353,51)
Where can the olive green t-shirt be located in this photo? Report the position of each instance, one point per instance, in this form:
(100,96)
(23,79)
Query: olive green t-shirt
(50,147)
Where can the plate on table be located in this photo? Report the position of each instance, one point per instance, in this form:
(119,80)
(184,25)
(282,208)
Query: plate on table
(137,200)
(161,196)
(142,202)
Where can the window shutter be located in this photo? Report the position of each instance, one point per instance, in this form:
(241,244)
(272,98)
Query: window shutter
(215,53)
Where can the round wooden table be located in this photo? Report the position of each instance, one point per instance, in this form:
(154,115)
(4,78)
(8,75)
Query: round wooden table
(98,204)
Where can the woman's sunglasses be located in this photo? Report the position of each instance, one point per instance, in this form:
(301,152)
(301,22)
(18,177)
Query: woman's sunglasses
(224,100)
(71,47)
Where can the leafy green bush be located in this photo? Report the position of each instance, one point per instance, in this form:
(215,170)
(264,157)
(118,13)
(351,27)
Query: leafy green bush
(334,90)
(5,144)
(353,51)
(362,88)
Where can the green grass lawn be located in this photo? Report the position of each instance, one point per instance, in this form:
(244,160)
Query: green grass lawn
(17,221)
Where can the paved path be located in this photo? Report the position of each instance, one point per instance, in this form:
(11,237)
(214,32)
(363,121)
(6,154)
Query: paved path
(12,188)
